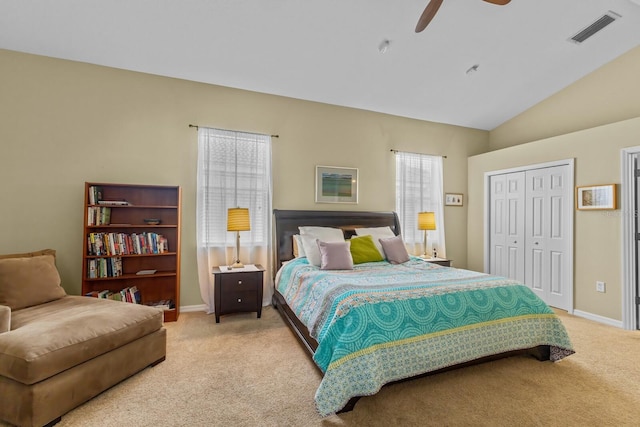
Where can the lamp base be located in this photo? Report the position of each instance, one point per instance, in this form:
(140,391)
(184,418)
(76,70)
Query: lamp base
(237,264)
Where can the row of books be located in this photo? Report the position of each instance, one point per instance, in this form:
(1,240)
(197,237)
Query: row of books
(104,267)
(98,215)
(130,294)
(95,197)
(108,244)
(95,194)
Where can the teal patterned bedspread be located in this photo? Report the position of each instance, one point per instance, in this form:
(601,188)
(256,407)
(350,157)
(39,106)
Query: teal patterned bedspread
(380,322)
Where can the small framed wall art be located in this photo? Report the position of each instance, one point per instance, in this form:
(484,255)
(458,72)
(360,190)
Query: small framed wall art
(336,184)
(453,199)
(596,197)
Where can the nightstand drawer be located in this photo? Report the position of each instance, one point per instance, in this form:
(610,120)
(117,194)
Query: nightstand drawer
(239,281)
(238,300)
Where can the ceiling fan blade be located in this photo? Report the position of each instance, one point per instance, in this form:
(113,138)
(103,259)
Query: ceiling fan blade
(428,14)
(498,2)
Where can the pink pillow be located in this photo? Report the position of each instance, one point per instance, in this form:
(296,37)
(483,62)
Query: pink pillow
(394,250)
(335,256)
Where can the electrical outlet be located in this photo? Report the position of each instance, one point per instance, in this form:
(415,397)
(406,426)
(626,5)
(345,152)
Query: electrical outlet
(600,287)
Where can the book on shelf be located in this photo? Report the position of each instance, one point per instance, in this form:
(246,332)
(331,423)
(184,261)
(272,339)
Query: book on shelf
(129,294)
(114,202)
(95,194)
(104,267)
(98,215)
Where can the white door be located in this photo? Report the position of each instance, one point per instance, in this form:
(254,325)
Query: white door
(507,225)
(548,236)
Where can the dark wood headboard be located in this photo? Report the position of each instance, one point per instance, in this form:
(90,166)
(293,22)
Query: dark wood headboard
(288,221)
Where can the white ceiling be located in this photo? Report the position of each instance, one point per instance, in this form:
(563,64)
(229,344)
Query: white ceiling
(327,50)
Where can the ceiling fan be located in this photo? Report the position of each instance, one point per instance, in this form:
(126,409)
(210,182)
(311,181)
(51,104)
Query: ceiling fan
(434,5)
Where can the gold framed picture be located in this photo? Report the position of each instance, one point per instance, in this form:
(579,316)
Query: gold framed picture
(596,197)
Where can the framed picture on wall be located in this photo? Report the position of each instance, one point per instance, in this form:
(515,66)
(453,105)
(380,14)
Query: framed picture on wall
(596,197)
(336,184)
(453,199)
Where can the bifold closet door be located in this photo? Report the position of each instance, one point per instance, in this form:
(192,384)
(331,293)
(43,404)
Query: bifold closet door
(547,235)
(507,225)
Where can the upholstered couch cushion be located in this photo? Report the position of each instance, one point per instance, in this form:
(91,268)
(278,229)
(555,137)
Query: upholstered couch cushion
(29,279)
(49,338)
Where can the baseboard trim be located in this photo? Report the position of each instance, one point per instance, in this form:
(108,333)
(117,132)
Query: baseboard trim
(192,308)
(599,319)
(203,307)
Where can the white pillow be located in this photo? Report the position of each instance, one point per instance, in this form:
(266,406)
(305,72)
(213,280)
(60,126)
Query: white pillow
(308,236)
(377,233)
(310,246)
(326,234)
(298,249)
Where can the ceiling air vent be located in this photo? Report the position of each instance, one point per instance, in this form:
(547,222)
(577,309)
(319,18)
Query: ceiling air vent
(598,25)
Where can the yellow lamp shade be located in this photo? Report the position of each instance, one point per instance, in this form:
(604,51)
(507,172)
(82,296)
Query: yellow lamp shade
(238,219)
(426,221)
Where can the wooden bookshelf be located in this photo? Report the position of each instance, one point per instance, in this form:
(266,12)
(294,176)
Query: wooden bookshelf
(120,241)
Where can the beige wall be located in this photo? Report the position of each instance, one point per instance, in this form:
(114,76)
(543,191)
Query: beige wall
(597,234)
(590,121)
(63,123)
(608,95)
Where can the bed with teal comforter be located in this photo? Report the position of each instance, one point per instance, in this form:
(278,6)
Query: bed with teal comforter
(380,322)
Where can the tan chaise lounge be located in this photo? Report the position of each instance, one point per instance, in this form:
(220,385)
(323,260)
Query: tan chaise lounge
(57,351)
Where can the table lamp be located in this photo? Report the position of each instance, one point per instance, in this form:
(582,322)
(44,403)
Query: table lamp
(426,221)
(238,220)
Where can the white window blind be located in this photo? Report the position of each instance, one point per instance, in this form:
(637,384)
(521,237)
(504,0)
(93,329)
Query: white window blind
(419,189)
(234,171)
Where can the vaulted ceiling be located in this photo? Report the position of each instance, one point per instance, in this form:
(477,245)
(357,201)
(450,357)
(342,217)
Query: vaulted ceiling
(475,65)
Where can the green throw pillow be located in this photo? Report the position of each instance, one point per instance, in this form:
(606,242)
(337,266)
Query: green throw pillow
(364,250)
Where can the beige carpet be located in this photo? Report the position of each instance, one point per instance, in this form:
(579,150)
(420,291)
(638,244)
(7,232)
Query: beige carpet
(252,372)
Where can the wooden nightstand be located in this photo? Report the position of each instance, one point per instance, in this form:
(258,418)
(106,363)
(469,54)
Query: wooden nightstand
(238,290)
(440,261)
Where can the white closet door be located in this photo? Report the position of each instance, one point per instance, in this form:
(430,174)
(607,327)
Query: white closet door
(507,225)
(547,234)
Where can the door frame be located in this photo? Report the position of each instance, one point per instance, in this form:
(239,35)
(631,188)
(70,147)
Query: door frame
(570,185)
(629,250)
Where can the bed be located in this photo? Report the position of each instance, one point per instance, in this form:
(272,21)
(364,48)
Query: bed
(380,323)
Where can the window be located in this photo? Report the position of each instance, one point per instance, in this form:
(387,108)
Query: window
(234,170)
(419,189)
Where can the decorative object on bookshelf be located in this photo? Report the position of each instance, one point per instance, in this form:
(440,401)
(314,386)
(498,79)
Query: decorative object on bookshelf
(123,250)
(143,272)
